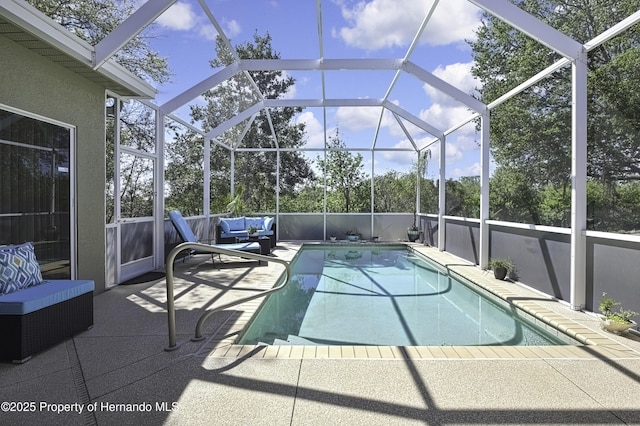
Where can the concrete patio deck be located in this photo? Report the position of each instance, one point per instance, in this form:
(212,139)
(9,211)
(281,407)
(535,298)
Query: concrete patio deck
(119,373)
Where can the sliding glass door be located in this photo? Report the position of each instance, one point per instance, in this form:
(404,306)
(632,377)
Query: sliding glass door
(36,187)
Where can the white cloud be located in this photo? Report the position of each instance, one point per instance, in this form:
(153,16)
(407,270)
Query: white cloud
(471,170)
(452,151)
(403,159)
(379,24)
(444,117)
(394,128)
(314,129)
(359,118)
(466,140)
(446,112)
(231,28)
(458,75)
(443,113)
(179,17)
(454,21)
(208,32)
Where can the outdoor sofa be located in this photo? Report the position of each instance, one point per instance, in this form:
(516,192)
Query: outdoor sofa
(187,235)
(36,314)
(233,229)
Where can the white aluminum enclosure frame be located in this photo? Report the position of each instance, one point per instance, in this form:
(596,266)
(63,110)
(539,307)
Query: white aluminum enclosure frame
(572,52)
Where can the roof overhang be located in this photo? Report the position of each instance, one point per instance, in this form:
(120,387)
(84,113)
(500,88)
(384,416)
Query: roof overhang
(33,30)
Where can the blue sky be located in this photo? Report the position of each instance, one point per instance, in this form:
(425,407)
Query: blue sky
(351,29)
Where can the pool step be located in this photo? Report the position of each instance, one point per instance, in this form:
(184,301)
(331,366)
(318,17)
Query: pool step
(294,340)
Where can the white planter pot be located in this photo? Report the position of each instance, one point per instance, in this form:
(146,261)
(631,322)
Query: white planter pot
(614,326)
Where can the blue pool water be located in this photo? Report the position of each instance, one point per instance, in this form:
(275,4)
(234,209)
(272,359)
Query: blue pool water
(384,295)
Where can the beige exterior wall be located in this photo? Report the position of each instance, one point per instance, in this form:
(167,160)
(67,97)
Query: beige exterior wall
(38,86)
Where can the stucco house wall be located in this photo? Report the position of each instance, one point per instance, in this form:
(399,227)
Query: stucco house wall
(38,86)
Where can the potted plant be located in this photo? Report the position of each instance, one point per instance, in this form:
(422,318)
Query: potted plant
(332,237)
(615,321)
(353,234)
(501,267)
(253,230)
(413,232)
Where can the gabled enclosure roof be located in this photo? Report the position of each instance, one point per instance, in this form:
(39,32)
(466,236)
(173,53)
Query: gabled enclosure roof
(25,25)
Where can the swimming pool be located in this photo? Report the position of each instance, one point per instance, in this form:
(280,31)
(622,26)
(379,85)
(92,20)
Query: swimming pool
(385,295)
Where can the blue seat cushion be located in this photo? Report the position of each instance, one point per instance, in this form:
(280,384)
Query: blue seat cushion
(41,296)
(232,234)
(246,246)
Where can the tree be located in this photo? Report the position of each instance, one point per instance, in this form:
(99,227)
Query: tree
(463,197)
(555,205)
(307,199)
(344,176)
(256,170)
(184,174)
(512,198)
(394,192)
(531,133)
(628,200)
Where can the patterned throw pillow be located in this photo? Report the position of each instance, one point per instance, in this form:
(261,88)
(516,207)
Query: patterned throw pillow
(19,268)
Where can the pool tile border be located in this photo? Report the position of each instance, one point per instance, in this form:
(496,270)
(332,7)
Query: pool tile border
(591,343)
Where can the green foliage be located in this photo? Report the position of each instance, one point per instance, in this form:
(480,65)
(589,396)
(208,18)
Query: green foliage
(628,200)
(93,20)
(463,197)
(394,192)
(344,177)
(237,207)
(184,174)
(512,198)
(531,133)
(500,262)
(606,306)
(555,206)
(136,173)
(308,199)
(256,170)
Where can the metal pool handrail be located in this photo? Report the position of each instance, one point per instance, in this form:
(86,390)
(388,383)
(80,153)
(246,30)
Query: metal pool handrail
(217,250)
